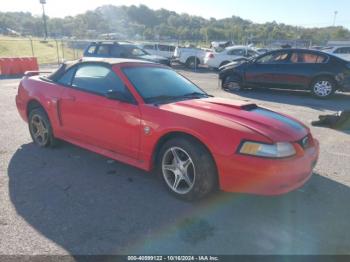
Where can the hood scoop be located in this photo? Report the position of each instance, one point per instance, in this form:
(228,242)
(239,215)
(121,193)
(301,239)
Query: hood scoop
(241,105)
(245,107)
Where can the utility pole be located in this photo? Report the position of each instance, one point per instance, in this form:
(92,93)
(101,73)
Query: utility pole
(335,16)
(43,2)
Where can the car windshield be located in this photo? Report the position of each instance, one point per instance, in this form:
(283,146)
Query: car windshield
(135,51)
(159,85)
(219,49)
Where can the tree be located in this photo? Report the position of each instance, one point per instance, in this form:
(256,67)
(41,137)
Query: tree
(143,22)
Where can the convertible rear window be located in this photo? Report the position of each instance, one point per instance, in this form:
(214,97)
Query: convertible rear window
(56,75)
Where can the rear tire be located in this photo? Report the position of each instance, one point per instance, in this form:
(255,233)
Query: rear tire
(186,169)
(323,87)
(40,128)
(192,62)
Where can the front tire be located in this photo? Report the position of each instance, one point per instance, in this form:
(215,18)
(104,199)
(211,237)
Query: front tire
(323,87)
(232,83)
(187,169)
(40,128)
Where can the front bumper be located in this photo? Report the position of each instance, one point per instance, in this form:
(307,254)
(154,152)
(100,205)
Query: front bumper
(345,86)
(343,81)
(264,176)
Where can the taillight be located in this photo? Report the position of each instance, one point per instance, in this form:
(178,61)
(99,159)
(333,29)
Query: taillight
(211,55)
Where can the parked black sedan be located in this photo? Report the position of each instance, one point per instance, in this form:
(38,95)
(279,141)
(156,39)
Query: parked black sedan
(302,69)
(115,49)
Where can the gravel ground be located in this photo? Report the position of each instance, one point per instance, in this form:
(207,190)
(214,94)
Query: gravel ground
(71,201)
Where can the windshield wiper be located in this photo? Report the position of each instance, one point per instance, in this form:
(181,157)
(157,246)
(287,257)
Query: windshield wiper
(160,99)
(163,99)
(194,95)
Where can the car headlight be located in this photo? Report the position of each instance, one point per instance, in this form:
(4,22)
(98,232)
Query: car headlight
(278,150)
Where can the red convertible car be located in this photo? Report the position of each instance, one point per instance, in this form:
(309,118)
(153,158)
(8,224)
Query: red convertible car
(149,116)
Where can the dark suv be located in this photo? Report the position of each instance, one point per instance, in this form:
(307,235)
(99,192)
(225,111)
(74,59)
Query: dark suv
(122,50)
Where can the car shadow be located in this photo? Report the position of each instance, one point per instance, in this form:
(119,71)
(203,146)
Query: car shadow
(89,205)
(338,102)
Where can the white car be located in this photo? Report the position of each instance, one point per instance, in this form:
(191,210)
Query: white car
(227,55)
(190,56)
(340,51)
(159,49)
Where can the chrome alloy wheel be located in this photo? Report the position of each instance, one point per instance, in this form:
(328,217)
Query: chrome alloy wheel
(323,88)
(39,130)
(178,170)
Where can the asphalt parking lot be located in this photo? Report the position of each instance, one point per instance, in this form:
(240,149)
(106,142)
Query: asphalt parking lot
(70,201)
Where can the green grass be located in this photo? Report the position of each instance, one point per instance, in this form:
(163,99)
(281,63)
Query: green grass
(45,51)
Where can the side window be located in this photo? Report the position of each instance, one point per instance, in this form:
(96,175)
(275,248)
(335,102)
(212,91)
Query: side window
(274,58)
(116,51)
(343,50)
(338,51)
(163,48)
(66,79)
(237,52)
(97,79)
(321,59)
(148,47)
(307,58)
(251,53)
(172,48)
(91,49)
(103,50)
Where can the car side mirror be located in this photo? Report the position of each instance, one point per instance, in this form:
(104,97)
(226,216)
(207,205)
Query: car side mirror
(120,96)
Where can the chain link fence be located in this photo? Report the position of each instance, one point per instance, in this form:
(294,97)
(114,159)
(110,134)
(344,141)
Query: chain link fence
(51,51)
(55,51)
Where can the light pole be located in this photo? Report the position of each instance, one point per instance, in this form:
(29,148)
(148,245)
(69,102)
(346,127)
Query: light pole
(43,2)
(335,16)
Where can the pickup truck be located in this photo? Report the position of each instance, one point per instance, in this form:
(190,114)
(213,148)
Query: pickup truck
(159,49)
(190,56)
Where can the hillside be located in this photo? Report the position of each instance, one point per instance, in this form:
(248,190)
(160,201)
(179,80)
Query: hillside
(141,22)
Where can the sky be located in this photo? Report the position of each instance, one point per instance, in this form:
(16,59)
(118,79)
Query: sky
(307,13)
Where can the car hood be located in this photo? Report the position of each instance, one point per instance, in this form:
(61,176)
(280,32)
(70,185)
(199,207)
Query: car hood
(237,62)
(226,112)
